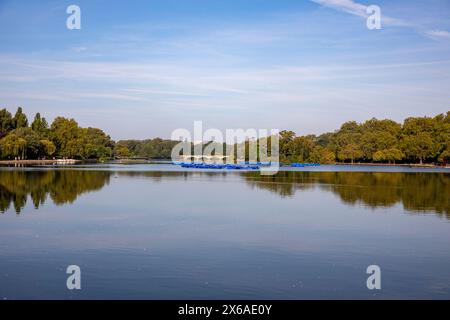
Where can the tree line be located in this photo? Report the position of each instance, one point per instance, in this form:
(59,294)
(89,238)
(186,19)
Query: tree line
(149,148)
(63,138)
(416,140)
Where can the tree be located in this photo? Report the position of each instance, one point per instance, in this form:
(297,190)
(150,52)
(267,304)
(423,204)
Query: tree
(300,148)
(350,152)
(284,138)
(420,146)
(65,135)
(122,152)
(32,148)
(71,141)
(322,155)
(12,146)
(39,124)
(47,147)
(389,155)
(6,122)
(444,157)
(420,138)
(347,141)
(20,119)
(378,135)
(442,138)
(325,139)
(101,145)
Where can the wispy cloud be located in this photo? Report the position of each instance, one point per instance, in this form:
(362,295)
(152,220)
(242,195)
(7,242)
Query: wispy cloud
(360,10)
(438,34)
(162,92)
(348,6)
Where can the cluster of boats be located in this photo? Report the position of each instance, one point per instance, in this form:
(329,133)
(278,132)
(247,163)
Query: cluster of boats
(241,166)
(302,165)
(218,166)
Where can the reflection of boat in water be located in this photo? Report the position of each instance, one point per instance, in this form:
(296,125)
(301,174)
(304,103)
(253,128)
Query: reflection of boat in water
(203,165)
(302,165)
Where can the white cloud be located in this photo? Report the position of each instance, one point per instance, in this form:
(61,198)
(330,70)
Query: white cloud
(438,34)
(348,6)
(358,9)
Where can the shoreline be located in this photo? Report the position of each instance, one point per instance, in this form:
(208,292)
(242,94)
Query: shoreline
(141,161)
(55,161)
(410,165)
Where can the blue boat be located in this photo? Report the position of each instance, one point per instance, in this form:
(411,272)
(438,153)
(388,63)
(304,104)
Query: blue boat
(217,166)
(302,165)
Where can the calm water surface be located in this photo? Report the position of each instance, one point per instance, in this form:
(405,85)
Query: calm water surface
(158,232)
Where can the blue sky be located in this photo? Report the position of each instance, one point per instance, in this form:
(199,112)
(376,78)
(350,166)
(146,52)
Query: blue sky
(141,69)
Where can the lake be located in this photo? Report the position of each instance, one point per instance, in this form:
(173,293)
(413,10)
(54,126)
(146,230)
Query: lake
(162,232)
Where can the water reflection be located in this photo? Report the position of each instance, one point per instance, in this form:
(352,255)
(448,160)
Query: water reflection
(60,185)
(417,192)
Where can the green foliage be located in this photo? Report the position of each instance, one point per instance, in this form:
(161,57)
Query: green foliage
(33,144)
(48,147)
(388,155)
(350,151)
(420,139)
(322,155)
(151,148)
(6,122)
(20,119)
(122,152)
(300,148)
(64,139)
(12,146)
(285,138)
(39,124)
(445,157)
(378,135)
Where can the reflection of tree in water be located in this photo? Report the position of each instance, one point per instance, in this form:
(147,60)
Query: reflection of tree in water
(63,186)
(422,192)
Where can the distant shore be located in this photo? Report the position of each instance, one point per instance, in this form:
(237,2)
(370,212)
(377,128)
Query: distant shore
(413,165)
(47,161)
(143,161)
